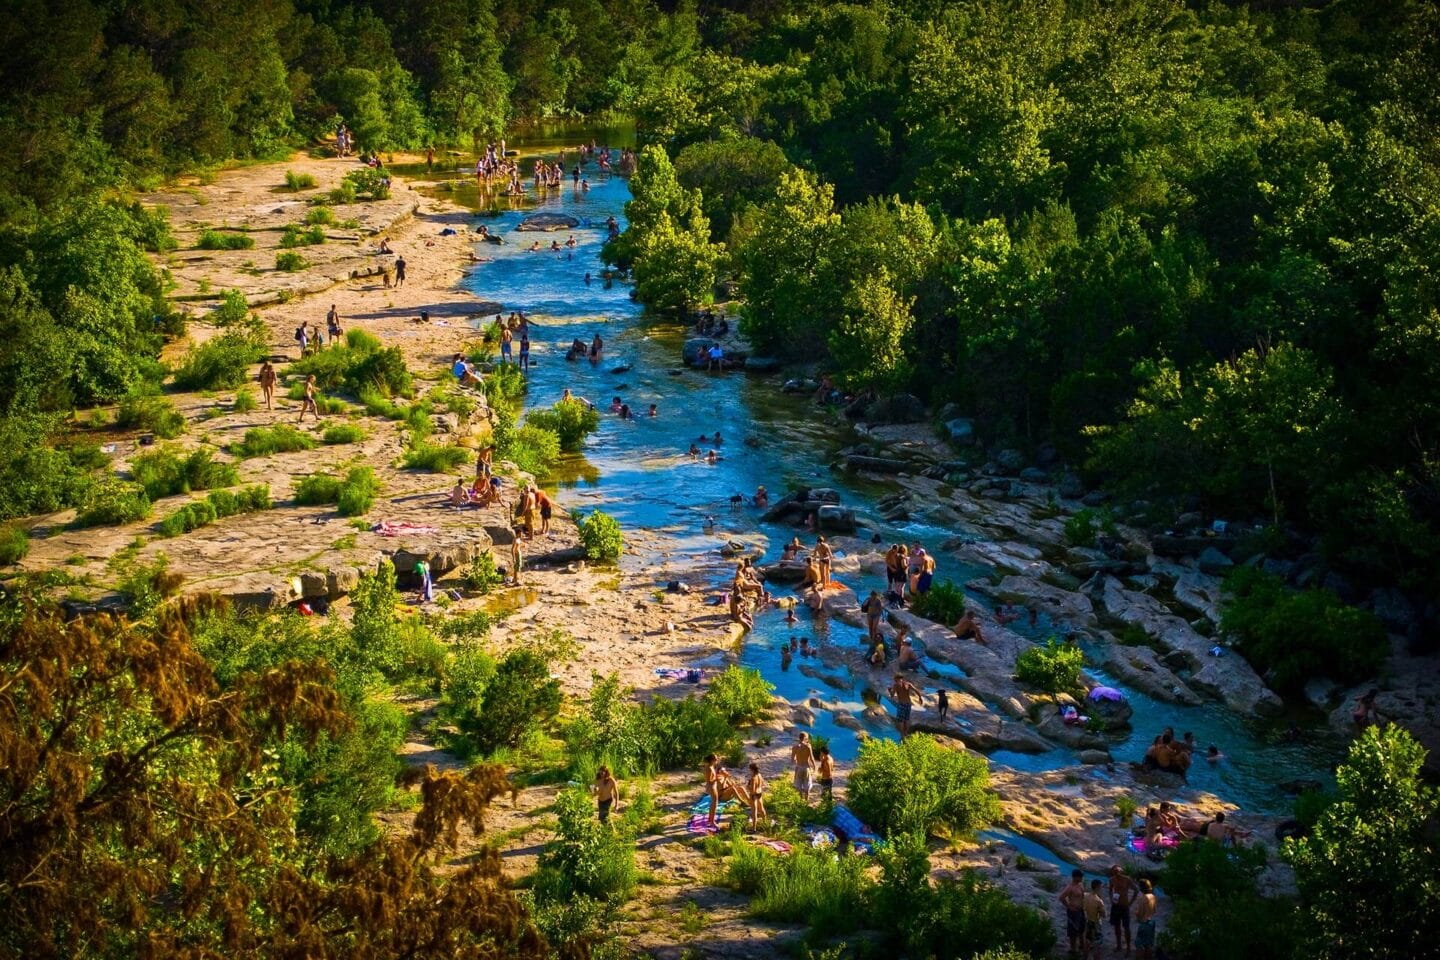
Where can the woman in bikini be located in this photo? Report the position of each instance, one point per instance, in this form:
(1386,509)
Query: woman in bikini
(756,787)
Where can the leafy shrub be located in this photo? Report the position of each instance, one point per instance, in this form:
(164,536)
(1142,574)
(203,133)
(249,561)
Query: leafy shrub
(368,183)
(113,501)
(682,733)
(1082,527)
(317,489)
(297,236)
(218,505)
(150,226)
(14,544)
(1309,806)
(222,363)
(383,370)
(944,603)
(37,476)
(918,786)
(435,457)
(362,341)
(505,382)
(343,193)
(496,708)
(741,694)
(289,261)
(146,408)
(1053,667)
(343,433)
(810,886)
(320,215)
(377,404)
(264,441)
(1291,636)
(217,240)
(533,450)
(381,641)
(165,471)
(585,858)
(357,493)
(1254,925)
(295,182)
(482,576)
(960,918)
(601,537)
(570,420)
(234,310)
(244,400)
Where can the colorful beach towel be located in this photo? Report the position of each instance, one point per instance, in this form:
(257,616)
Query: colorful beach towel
(398,528)
(821,837)
(680,674)
(703,806)
(1138,845)
(778,846)
(701,825)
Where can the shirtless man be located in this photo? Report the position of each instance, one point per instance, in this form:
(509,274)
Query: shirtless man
(1222,832)
(607,793)
(507,337)
(908,659)
(1094,920)
(1072,898)
(803,759)
(792,550)
(458,496)
(740,610)
(906,695)
(1145,921)
(824,556)
(968,627)
(311,391)
(1122,894)
(267,384)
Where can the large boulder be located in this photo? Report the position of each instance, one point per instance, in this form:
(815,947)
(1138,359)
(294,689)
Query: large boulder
(856,461)
(1213,562)
(1063,606)
(836,519)
(1010,461)
(1394,609)
(901,408)
(961,431)
(1071,487)
(762,364)
(547,223)
(1229,676)
(693,350)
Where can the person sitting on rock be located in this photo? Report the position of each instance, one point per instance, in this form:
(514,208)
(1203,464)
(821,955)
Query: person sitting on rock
(459,497)
(968,627)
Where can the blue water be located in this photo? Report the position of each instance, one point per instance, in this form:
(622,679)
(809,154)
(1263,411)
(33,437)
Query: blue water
(639,472)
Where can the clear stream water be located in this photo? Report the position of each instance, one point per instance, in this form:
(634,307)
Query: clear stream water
(639,471)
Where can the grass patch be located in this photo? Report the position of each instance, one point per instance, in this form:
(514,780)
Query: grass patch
(320,215)
(435,457)
(264,441)
(343,433)
(244,400)
(14,544)
(353,495)
(111,502)
(218,505)
(296,235)
(146,408)
(217,240)
(295,182)
(219,364)
(168,471)
(289,261)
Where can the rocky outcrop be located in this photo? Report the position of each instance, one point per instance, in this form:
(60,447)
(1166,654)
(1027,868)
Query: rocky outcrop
(1140,668)
(1228,677)
(441,557)
(856,461)
(1063,606)
(547,223)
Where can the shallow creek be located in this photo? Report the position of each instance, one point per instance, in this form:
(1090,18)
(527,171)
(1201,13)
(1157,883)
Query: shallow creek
(639,472)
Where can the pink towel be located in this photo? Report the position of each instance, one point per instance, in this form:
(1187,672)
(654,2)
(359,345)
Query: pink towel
(701,824)
(398,528)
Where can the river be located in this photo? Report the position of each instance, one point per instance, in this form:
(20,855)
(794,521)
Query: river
(639,472)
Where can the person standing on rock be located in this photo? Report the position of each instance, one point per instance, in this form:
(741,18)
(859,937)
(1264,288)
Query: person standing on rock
(756,788)
(824,556)
(712,786)
(506,336)
(802,756)
(942,704)
(399,272)
(267,384)
(1094,920)
(311,391)
(517,556)
(874,610)
(906,695)
(1145,911)
(1122,893)
(1072,898)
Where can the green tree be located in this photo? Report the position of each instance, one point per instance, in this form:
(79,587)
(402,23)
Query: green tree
(868,342)
(676,263)
(1374,840)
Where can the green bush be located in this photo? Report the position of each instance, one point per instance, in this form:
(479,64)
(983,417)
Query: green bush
(482,576)
(944,603)
(382,370)
(14,544)
(741,694)
(1053,667)
(1085,525)
(343,193)
(435,457)
(222,363)
(918,786)
(290,262)
(533,450)
(495,707)
(298,236)
(367,183)
(601,537)
(317,489)
(113,501)
(1255,927)
(377,404)
(968,919)
(682,733)
(244,400)
(382,642)
(320,215)
(234,310)
(146,408)
(36,476)
(295,182)
(505,382)
(167,470)
(1291,636)
(343,433)
(218,505)
(216,240)
(357,493)
(264,441)
(585,859)
(570,420)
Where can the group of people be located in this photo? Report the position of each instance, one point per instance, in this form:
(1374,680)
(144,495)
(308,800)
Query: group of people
(1175,756)
(592,351)
(811,766)
(909,573)
(1086,908)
